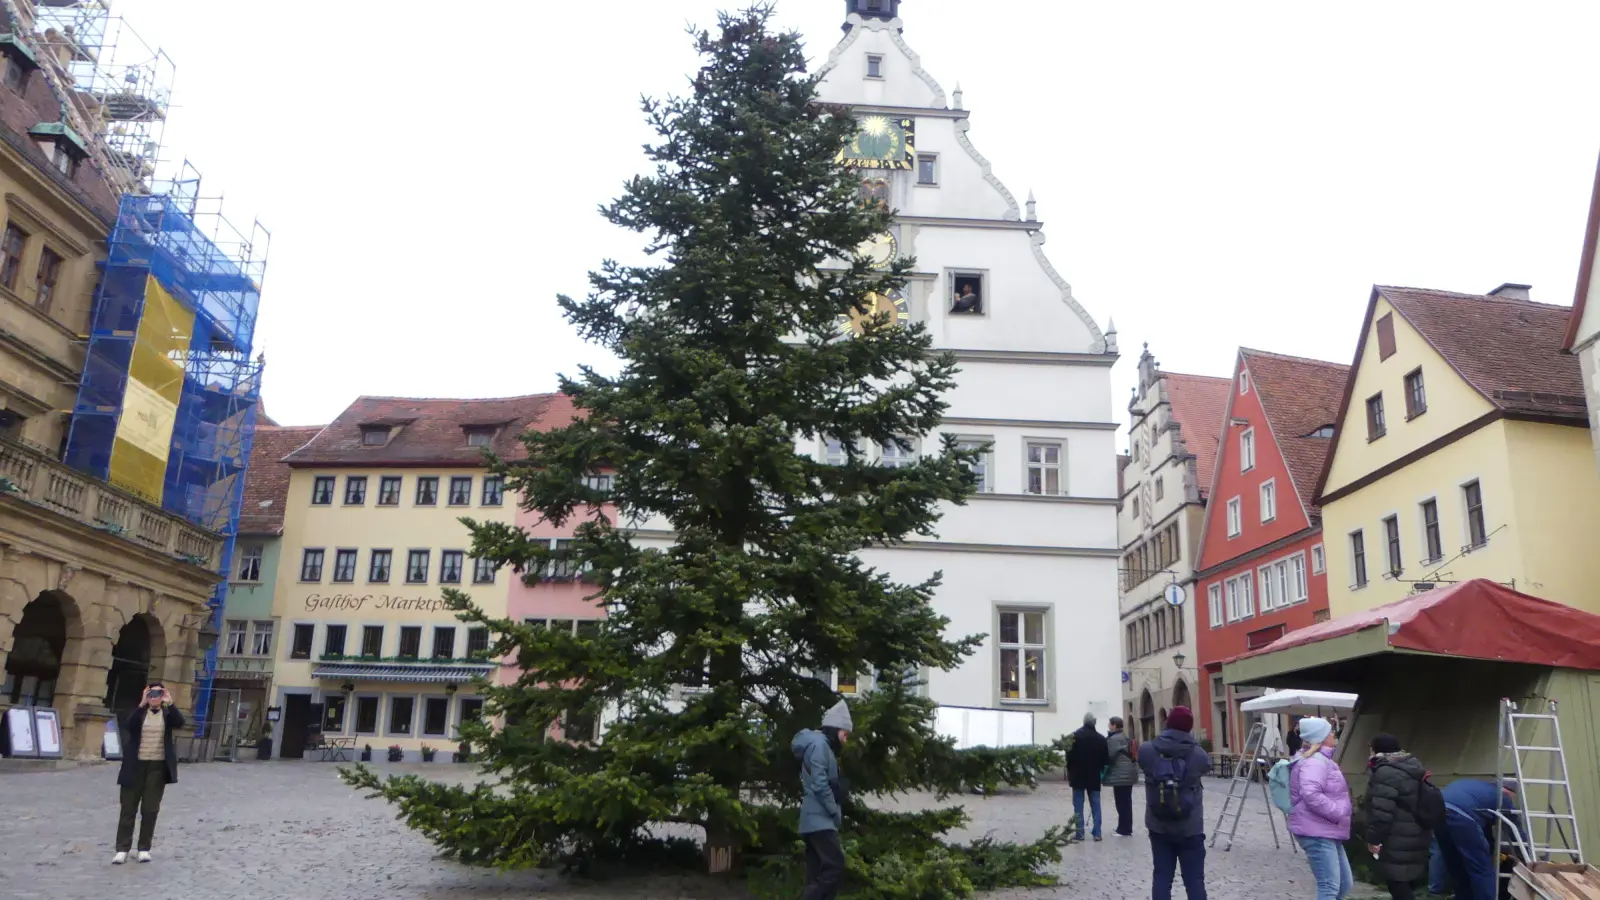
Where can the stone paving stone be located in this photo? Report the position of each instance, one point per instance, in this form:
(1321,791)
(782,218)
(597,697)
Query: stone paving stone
(289,830)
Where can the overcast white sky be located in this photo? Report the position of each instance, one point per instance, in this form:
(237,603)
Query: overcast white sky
(1210,175)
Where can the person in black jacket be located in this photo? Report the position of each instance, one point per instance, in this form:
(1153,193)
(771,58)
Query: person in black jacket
(1086,764)
(149,764)
(1394,837)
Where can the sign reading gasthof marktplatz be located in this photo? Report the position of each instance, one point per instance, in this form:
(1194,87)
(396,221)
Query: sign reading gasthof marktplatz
(377,602)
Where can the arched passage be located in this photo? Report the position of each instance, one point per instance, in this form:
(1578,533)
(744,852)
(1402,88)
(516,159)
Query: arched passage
(38,649)
(1147,716)
(138,657)
(1180,695)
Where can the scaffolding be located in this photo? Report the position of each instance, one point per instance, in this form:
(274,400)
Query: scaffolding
(116,87)
(181,285)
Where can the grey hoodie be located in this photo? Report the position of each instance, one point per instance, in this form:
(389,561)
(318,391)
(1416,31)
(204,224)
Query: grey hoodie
(819,772)
(1182,745)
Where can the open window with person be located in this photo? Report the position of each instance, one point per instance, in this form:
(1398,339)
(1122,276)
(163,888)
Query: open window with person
(967,294)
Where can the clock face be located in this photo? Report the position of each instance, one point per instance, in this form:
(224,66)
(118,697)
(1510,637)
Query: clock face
(881,249)
(881,142)
(894,303)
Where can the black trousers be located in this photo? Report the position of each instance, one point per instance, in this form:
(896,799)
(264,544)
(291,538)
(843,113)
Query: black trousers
(824,865)
(149,784)
(1123,794)
(1401,890)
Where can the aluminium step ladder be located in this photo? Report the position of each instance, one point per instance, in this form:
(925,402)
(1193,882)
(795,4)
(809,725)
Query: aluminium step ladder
(1250,769)
(1523,734)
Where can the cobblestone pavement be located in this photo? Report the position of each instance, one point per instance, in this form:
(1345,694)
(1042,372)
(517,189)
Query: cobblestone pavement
(293,831)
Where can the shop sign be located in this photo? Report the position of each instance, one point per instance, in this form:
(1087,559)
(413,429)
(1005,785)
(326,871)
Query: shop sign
(375,603)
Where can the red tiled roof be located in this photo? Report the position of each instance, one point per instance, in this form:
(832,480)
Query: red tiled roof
(1197,403)
(1508,349)
(266,483)
(431,432)
(1298,396)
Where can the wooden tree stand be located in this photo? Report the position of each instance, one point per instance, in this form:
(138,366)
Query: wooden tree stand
(1555,881)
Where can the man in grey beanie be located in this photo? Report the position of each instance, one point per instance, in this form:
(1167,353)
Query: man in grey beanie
(822,801)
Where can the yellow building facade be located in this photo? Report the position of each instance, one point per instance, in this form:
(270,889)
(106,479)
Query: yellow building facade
(368,653)
(1462,452)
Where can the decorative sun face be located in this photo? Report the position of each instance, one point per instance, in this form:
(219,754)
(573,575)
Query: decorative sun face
(894,303)
(877,126)
(881,142)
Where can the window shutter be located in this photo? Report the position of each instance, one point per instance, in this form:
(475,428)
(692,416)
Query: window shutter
(1386,336)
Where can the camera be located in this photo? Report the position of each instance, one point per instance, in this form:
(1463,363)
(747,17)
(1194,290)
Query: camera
(153,694)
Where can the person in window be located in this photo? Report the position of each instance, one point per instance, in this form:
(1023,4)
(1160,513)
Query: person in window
(822,801)
(149,764)
(967,301)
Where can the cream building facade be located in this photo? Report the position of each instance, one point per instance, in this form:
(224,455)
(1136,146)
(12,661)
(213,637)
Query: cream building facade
(367,651)
(1462,452)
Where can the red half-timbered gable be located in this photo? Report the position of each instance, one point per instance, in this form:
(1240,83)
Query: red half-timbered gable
(1261,562)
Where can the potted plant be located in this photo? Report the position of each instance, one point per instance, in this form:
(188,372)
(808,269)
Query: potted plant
(366,753)
(463,752)
(395,753)
(427,753)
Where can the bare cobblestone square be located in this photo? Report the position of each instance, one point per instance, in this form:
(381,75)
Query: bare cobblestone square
(293,831)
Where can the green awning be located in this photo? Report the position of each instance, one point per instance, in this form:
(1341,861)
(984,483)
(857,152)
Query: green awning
(11,45)
(60,131)
(1256,668)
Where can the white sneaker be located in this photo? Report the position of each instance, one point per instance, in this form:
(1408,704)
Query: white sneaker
(119,859)
(144,856)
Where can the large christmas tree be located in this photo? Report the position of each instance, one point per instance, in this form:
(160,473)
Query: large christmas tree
(756,328)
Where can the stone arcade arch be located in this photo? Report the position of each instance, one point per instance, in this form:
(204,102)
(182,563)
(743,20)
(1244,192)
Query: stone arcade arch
(46,639)
(138,657)
(1180,695)
(1147,716)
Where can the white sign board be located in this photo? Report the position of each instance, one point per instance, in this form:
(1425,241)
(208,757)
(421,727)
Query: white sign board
(111,744)
(19,732)
(47,727)
(970,727)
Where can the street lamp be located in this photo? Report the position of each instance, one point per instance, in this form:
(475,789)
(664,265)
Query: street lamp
(1178,658)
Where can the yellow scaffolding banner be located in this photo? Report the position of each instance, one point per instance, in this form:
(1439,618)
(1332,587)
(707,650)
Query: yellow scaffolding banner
(155,385)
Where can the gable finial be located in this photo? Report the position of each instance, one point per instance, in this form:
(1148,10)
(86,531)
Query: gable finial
(955,97)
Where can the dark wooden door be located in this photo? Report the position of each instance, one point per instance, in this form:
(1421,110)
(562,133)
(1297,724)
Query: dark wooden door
(296,723)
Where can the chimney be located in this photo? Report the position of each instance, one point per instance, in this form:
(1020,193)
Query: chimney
(1509,291)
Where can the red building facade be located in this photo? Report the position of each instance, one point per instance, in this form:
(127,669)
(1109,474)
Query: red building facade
(1262,567)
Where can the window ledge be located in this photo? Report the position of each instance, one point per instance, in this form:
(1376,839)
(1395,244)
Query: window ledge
(1006,701)
(1269,521)
(1410,416)
(1373,437)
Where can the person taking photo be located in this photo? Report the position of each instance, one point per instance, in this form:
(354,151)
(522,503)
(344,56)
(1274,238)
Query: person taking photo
(149,764)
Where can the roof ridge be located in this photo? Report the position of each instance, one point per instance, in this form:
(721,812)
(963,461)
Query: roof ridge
(1459,295)
(1289,357)
(1223,378)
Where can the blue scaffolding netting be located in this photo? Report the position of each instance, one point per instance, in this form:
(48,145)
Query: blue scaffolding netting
(160,236)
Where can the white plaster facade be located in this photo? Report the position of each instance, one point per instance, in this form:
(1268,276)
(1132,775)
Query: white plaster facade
(1035,369)
(1583,328)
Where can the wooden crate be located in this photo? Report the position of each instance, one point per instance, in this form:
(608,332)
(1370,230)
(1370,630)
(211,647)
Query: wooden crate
(1555,881)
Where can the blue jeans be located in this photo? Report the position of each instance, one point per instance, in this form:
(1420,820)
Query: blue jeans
(1171,853)
(1468,858)
(1094,807)
(1329,865)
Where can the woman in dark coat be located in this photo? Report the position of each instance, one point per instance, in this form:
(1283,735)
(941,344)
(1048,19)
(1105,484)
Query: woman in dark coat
(1393,835)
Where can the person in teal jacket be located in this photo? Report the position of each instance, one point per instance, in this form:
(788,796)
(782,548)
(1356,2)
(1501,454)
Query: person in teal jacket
(822,801)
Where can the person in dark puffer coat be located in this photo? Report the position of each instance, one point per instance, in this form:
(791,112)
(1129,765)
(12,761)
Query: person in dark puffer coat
(1393,834)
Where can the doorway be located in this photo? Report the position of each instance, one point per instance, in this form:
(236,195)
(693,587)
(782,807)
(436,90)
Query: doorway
(296,724)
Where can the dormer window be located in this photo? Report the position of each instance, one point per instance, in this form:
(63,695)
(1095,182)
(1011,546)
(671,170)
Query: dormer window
(16,75)
(374,435)
(19,63)
(61,145)
(479,435)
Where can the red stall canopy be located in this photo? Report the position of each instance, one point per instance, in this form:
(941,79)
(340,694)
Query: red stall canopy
(1476,619)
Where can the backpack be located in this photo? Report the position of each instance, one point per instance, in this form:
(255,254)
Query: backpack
(1278,786)
(1169,801)
(1430,804)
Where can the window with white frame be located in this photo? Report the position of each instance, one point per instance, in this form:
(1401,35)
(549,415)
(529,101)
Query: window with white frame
(1269,499)
(1022,656)
(833,452)
(1235,518)
(1214,602)
(261,639)
(250,562)
(1319,562)
(1297,579)
(850,683)
(1244,383)
(1044,468)
(1247,449)
(983,465)
(1270,592)
(893,455)
(237,629)
(1241,604)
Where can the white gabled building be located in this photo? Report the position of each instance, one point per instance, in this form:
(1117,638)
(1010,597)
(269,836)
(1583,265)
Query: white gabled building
(1032,560)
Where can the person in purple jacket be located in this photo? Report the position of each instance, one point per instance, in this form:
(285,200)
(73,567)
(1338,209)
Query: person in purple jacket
(1320,807)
